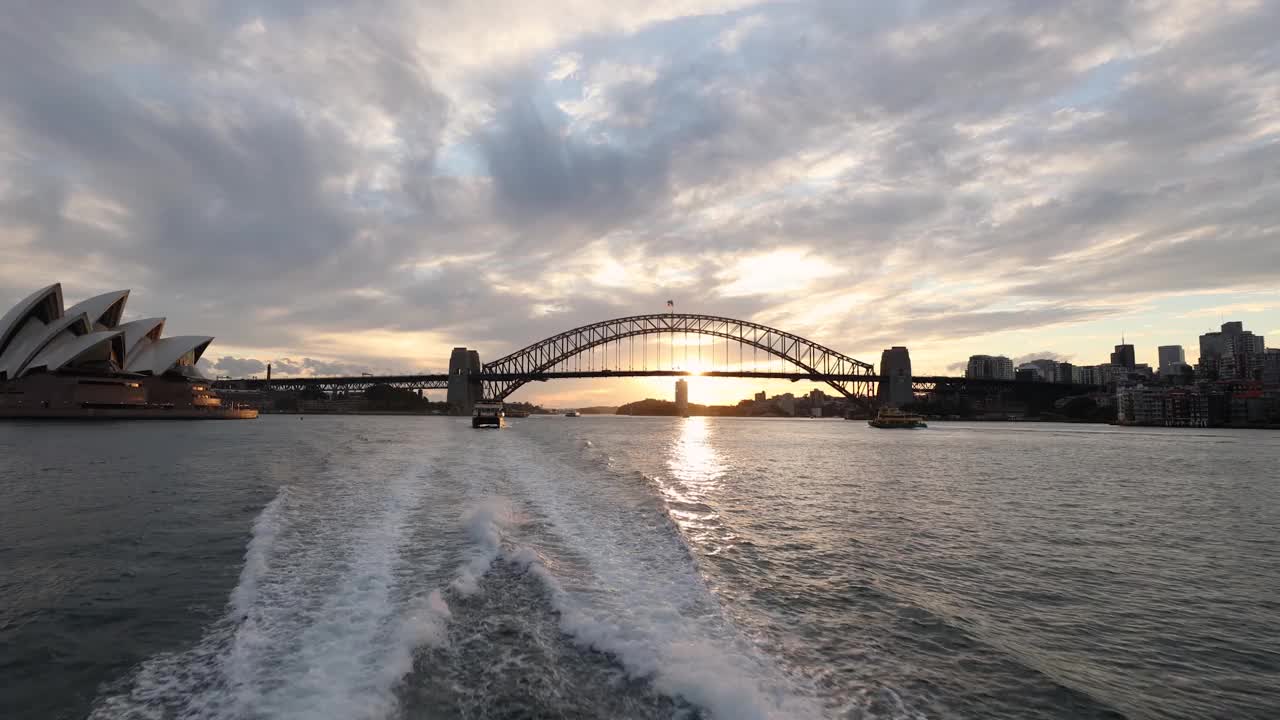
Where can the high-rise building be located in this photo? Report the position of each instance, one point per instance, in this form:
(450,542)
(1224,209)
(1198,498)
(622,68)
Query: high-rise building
(1095,374)
(1124,356)
(1046,370)
(1232,353)
(1244,356)
(989,367)
(1212,346)
(895,374)
(1271,368)
(761,396)
(682,397)
(1067,373)
(1104,374)
(1172,358)
(817,397)
(1028,371)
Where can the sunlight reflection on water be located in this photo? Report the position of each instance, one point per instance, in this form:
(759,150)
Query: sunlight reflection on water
(695,478)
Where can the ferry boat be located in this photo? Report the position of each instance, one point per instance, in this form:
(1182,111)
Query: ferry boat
(573,413)
(893,418)
(488,415)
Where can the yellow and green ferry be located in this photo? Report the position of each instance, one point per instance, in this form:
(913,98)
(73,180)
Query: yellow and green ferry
(893,418)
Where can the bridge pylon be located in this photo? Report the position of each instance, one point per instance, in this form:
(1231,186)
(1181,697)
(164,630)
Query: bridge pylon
(465,387)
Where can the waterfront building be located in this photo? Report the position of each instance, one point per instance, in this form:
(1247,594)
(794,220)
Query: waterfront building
(82,361)
(895,371)
(1124,356)
(348,403)
(1140,405)
(682,397)
(989,367)
(786,403)
(1186,407)
(761,397)
(1232,403)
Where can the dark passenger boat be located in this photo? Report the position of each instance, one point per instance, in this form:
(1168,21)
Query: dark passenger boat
(488,415)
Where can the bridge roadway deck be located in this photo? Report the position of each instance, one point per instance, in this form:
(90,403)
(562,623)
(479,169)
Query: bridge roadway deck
(441,381)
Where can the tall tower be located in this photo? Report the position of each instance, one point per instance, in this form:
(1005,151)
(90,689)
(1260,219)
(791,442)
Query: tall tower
(682,398)
(1124,356)
(464,389)
(895,377)
(1172,358)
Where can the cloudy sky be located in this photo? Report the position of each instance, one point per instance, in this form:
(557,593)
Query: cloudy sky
(348,185)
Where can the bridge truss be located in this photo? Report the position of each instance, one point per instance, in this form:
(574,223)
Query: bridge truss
(656,345)
(611,346)
(920,384)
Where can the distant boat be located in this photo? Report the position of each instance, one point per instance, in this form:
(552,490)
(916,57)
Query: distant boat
(895,419)
(488,415)
(573,413)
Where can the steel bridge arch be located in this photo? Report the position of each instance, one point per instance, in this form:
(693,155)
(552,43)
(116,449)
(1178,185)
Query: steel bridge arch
(810,356)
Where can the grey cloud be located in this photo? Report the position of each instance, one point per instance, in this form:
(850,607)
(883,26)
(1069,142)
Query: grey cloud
(285,367)
(539,170)
(323,367)
(231,192)
(1043,355)
(237,367)
(941,326)
(245,192)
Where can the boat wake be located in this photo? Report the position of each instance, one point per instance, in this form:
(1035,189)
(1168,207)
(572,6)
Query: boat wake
(535,581)
(323,622)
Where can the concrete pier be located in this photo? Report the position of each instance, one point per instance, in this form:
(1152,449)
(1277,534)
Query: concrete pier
(465,389)
(895,373)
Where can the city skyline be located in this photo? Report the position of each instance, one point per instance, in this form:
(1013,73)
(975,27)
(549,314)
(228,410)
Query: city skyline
(347,192)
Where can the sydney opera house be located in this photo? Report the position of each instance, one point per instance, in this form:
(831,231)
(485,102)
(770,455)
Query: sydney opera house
(83,362)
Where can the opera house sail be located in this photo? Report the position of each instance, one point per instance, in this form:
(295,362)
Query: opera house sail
(83,362)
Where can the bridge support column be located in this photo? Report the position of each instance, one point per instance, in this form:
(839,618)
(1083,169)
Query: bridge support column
(465,389)
(895,377)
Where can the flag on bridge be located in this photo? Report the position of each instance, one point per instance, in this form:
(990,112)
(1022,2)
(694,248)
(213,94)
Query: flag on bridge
(671,305)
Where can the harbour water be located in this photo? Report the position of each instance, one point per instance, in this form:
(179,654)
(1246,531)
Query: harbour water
(391,567)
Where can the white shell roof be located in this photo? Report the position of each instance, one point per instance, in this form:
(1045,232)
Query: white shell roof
(37,333)
(159,356)
(20,353)
(105,308)
(46,301)
(136,330)
(68,348)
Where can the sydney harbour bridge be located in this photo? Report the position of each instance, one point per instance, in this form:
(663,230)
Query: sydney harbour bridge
(655,345)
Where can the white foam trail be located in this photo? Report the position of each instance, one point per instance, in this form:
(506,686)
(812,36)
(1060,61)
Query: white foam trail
(485,523)
(659,643)
(323,622)
(642,600)
(258,553)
